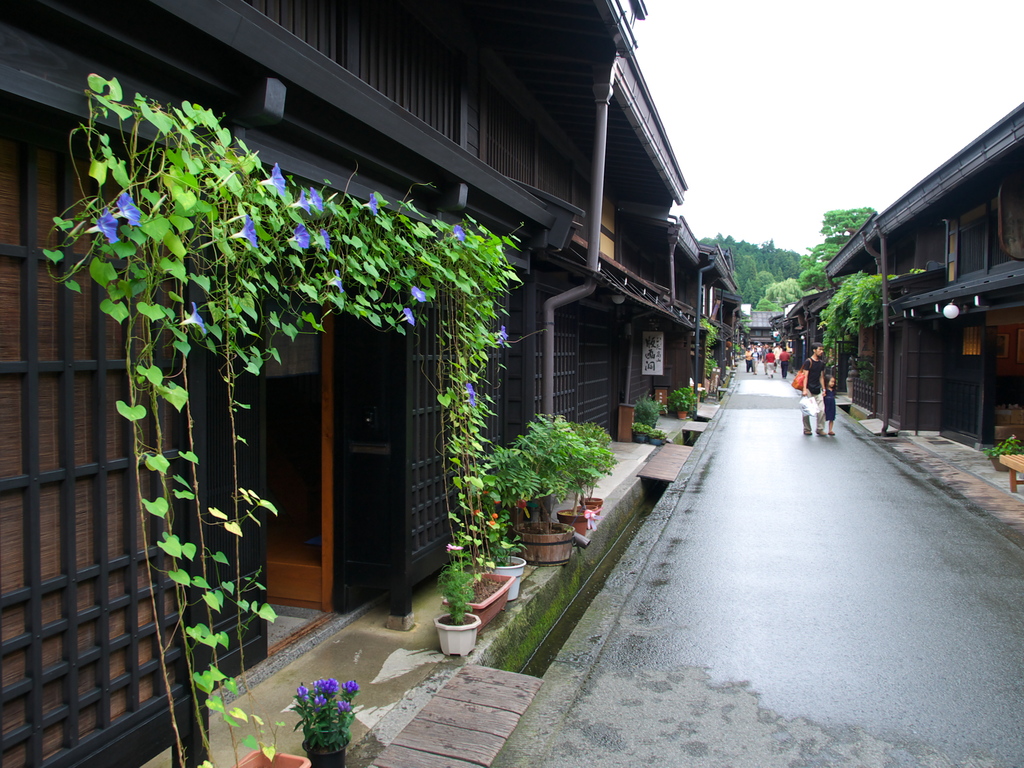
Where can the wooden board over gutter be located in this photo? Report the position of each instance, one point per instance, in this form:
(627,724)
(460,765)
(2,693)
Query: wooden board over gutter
(665,463)
(465,724)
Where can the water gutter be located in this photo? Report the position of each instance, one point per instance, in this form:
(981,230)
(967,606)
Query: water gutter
(603,90)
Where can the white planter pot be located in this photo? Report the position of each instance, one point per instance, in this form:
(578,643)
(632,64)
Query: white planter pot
(516,569)
(457,641)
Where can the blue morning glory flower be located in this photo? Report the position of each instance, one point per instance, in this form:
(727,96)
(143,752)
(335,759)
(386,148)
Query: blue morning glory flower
(107,224)
(327,239)
(315,200)
(503,337)
(195,319)
(460,233)
(126,206)
(472,394)
(248,232)
(303,202)
(418,294)
(302,236)
(277,179)
(336,282)
(373,203)
(408,316)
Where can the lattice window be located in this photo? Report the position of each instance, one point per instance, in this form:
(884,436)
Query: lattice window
(508,141)
(77,645)
(313,21)
(401,59)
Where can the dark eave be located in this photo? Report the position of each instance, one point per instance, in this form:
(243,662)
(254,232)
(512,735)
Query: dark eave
(975,170)
(998,291)
(552,48)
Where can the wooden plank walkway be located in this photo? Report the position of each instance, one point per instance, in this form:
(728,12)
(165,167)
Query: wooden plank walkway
(665,462)
(707,411)
(465,724)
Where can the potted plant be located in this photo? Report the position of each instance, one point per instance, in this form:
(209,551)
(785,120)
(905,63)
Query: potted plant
(504,546)
(682,401)
(591,460)
(599,461)
(325,717)
(646,410)
(640,432)
(656,437)
(1009,447)
(457,629)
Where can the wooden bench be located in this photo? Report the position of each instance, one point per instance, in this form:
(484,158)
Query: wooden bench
(1016,464)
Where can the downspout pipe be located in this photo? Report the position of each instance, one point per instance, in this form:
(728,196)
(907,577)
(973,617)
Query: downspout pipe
(673,239)
(698,372)
(881,257)
(602,96)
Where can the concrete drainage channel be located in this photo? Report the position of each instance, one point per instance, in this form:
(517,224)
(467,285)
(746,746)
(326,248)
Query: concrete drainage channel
(553,599)
(537,664)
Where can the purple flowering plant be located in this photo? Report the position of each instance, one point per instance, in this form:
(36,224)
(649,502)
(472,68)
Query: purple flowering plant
(325,714)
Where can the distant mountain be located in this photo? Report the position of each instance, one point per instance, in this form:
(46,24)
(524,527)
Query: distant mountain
(757,266)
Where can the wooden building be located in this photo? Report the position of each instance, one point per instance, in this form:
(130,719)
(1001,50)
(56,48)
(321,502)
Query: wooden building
(950,359)
(531,117)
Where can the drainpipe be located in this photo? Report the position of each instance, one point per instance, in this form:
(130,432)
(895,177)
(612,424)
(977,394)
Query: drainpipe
(882,259)
(673,238)
(699,372)
(602,97)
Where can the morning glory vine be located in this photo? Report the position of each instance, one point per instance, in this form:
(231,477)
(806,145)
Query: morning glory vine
(198,246)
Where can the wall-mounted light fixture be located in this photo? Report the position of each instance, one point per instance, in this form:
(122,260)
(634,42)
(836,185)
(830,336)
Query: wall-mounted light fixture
(951,311)
(618,298)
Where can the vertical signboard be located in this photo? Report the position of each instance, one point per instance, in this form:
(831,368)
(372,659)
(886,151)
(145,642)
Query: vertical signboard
(653,353)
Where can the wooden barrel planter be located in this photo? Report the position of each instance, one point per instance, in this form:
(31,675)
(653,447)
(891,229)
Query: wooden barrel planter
(546,543)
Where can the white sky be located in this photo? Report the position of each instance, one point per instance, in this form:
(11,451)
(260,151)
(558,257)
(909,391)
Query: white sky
(780,111)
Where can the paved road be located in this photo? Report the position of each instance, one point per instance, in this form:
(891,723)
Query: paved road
(799,601)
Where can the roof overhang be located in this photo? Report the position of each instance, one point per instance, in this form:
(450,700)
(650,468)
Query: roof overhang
(977,167)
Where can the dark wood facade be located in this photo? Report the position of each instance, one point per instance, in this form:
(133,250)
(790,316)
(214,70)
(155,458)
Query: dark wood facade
(479,109)
(951,372)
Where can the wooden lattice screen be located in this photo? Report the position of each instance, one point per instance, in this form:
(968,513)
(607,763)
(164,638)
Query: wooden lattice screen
(78,655)
(428,486)
(595,361)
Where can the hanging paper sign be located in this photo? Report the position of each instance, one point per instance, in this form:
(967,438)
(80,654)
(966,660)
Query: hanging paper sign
(653,353)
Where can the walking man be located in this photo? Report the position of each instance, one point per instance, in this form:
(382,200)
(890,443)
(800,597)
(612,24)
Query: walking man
(784,360)
(815,386)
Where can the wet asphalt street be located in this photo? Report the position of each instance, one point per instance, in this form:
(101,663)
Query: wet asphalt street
(799,601)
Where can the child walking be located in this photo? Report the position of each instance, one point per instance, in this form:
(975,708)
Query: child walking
(829,399)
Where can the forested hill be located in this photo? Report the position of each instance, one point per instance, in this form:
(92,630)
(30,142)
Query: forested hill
(758,266)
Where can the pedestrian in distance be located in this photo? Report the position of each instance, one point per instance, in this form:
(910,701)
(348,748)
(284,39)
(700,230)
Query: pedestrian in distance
(829,399)
(784,361)
(815,386)
(749,357)
(769,362)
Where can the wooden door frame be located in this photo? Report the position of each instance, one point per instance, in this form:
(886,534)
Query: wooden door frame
(327,436)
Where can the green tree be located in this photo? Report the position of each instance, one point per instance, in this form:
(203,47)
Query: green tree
(784,292)
(764,305)
(837,226)
(857,304)
(757,266)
